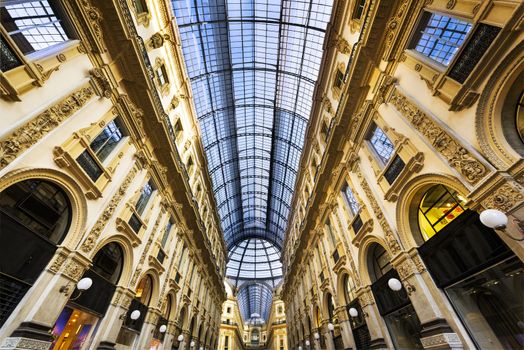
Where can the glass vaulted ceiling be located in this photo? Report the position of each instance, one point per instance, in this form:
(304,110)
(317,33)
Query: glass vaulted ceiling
(253,66)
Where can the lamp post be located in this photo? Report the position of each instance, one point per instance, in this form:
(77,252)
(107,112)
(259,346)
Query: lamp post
(82,285)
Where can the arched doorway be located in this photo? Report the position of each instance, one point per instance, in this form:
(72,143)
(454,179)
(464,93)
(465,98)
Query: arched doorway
(358,323)
(131,327)
(394,306)
(479,274)
(35,216)
(77,322)
(191,336)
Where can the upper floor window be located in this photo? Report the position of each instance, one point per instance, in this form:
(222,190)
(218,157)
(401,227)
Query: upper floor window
(359,9)
(352,202)
(100,148)
(165,236)
(145,195)
(439,37)
(339,79)
(34,25)
(178,129)
(161,74)
(519,117)
(141,6)
(381,144)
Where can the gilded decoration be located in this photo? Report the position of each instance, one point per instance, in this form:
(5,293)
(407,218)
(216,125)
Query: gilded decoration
(505,197)
(457,155)
(101,223)
(392,242)
(93,17)
(30,133)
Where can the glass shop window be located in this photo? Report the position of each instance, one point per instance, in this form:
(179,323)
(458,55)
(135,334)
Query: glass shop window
(381,262)
(100,148)
(439,206)
(144,290)
(491,305)
(35,25)
(439,37)
(381,145)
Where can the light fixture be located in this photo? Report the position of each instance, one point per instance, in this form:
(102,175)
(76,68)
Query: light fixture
(82,285)
(300,347)
(497,220)
(331,327)
(180,337)
(201,348)
(163,328)
(192,344)
(353,312)
(395,285)
(135,314)
(308,343)
(316,336)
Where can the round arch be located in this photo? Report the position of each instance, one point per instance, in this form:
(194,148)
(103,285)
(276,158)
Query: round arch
(127,249)
(363,256)
(155,290)
(74,192)
(494,111)
(325,303)
(342,274)
(409,199)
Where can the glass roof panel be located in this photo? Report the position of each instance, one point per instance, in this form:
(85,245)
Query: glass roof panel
(253,66)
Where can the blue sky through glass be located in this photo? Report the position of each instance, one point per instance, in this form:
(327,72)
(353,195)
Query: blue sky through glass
(253,66)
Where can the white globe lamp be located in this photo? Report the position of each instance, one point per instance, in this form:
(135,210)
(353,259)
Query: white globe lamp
(84,284)
(135,315)
(353,312)
(494,219)
(394,284)
(163,328)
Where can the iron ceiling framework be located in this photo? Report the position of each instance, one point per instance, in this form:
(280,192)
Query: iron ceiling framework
(255,298)
(253,65)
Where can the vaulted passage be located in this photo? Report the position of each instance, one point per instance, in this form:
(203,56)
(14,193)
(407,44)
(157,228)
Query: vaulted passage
(253,66)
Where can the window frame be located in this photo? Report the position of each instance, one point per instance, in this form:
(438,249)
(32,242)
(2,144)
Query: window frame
(376,153)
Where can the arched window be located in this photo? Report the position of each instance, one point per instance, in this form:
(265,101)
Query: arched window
(380,263)
(439,206)
(330,307)
(34,218)
(167,307)
(519,116)
(144,290)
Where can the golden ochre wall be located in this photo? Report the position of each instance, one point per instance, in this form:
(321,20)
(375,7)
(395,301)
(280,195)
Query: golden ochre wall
(53,105)
(460,135)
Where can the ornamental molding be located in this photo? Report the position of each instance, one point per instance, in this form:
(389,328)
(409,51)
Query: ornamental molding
(505,197)
(488,126)
(391,240)
(33,131)
(457,155)
(108,212)
(22,343)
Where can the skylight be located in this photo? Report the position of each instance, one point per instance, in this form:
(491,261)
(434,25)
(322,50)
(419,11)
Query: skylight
(253,66)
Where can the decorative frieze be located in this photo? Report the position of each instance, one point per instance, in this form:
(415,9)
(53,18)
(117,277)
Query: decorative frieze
(392,242)
(505,197)
(101,223)
(458,157)
(32,132)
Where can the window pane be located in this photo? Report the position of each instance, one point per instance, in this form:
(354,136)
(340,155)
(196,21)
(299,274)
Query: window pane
(353,205)
(145,195)
(382,144)
(441,37)
(107,140)
(33,25)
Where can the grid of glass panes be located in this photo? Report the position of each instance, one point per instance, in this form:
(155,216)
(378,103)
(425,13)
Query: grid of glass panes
(107,140)
(381,144)
(253,79)
(352,202)
(254,298)
(167,230)
(254,259)
(161,74)
(145,195)
(33,25)
(441,37)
